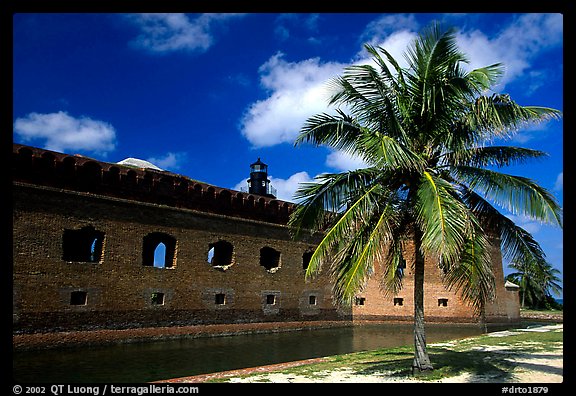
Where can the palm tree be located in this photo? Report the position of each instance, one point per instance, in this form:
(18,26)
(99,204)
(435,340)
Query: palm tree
(538,280)
(550,281)
(422,131)
(526,277)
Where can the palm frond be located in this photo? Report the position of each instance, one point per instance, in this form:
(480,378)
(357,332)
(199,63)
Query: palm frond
(518,194)
(354,258)
(484,78)
(472,275)
(443,219)
(371,97)
(320,201)
(499,116)
(499,156)
(432,56)
(385,152)
(346,224)
(393,265)
(517,244)
(337,131)
(396,81)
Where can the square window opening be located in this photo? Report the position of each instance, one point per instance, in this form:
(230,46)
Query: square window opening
(78,298)
(312,300)
(270,299)
(220,299)
(442,302)
(398,301)
(157,298)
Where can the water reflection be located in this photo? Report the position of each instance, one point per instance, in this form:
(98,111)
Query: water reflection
(146,362)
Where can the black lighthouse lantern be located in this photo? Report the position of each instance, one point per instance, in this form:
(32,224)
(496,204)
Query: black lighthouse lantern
(259,182)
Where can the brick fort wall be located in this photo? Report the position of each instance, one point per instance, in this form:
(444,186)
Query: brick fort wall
(101,245)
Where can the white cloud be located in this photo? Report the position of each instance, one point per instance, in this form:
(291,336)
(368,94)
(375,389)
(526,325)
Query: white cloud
(172,161)
(526,223)
(343,161)
(62,132)
(285,188)
(515,46)
(559,184)
(176,32)
(382,29)
(297,91)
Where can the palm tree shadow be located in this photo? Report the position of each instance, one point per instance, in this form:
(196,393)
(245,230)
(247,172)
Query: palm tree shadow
(447,363)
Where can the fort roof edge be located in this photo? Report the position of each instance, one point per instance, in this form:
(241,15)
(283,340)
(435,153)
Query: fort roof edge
(80,173)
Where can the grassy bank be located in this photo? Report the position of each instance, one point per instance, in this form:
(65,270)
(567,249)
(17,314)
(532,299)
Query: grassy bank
(494,357)
(545,314)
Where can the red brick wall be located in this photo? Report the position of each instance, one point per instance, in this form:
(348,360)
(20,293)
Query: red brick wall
(54,192)
(378,305)
(119,287)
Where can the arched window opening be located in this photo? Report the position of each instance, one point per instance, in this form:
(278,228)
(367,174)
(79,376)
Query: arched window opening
(270,259)
(159,250)
(83,245)
(221,255)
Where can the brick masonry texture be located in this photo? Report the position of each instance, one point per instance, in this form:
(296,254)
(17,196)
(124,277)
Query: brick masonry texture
(56,194)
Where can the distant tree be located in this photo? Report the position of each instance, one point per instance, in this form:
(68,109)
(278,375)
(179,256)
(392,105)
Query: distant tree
(538,280)
(424,132)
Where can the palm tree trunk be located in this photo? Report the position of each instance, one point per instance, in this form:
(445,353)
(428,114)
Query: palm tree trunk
(421,359)
(483,318)
(523,290)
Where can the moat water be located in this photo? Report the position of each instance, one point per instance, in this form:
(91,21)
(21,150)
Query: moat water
(158,360)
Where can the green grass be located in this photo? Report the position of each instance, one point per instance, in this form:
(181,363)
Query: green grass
(465,355)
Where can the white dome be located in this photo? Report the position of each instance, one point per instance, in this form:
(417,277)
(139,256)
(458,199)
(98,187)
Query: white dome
(138,163)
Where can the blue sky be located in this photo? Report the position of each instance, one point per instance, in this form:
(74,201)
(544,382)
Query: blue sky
(205,95)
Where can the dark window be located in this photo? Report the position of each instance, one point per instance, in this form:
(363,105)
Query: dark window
(220,254)
(157,298)
(270,299)
(398,301)
(83,245)
(269,259)
(220,299)
(360,301)
(159,250)
(78,298)
(312,300)
(306,260)
(401,267)
(442,302)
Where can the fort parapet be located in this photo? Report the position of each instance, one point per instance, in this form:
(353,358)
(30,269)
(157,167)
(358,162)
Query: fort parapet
(78,173)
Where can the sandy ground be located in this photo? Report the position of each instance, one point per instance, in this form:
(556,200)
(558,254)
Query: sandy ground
(529,368)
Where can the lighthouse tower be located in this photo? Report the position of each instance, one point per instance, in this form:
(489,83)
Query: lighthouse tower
(259,182)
